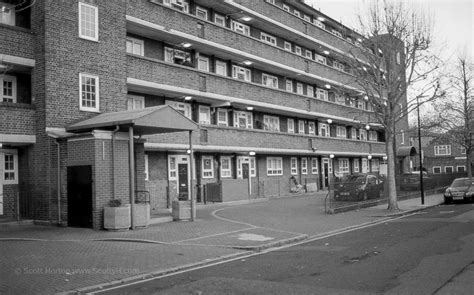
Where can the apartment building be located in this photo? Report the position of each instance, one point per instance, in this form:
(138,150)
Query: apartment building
(226,100)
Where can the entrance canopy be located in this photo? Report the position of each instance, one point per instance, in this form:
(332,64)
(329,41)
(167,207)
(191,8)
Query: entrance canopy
(159,119)
(405,151)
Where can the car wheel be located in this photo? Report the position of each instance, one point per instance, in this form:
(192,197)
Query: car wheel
(447,201)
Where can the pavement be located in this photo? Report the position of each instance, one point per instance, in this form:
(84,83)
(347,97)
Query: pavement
(48,259)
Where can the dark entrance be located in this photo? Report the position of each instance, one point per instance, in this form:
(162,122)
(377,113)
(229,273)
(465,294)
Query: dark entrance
(326,174)
(79,196)
(183,182)
(245,171)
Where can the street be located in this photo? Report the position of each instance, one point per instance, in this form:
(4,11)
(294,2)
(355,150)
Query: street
(422,253)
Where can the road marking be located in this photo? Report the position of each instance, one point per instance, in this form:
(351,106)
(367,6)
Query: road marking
(253,237)
(446,212)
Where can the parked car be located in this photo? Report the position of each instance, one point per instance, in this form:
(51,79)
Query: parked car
(411,181)
(462,189)
(359,187)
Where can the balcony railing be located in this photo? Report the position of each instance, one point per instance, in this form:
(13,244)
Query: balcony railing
(17,118)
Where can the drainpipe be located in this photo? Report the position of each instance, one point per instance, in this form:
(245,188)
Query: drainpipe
(58,159)
(131,162)
(113,160)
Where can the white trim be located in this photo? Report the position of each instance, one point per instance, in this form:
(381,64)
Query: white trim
(437,167)
(228,172)
(304,165)
(220,122)
(294,168)
(452,169)
(97,96)
(17,138)
(221,18)
(292,130)
(147,169)
(16,60)
(96,22)
(14,88)
(203,60)
(209,172)
(14,153)
(204,11)
(132,100)
(207,111)
(314,165)
(133,42)
(277,162)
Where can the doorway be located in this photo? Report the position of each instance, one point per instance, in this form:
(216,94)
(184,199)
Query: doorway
(183,187)
(79,196)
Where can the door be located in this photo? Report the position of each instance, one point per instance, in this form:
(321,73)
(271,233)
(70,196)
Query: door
(183,191)
(79,196)
(245,170)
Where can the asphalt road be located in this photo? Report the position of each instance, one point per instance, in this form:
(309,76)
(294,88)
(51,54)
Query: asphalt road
(418,254)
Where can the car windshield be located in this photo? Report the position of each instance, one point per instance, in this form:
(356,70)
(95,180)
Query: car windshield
(462,182)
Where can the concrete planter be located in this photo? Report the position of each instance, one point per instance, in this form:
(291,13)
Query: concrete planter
(117,218)
(141,215)
(181,210)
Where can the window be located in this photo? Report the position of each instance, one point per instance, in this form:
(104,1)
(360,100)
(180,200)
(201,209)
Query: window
(271,1)
(268,39)
(8,91)
(319,24)
(135,46)
(353,133)
(310,91)
(271,123)
(286,7)
(341,132)
(461,169)
(201,12)
(294,166)
(338,65)
(89,93)
(448,169)
(177,4)
(314,165)
(203,63)
(299,88)
(240,28)
(207,167)
(88,22)
(365,165)
(296,12)
(442,150)
(147,170)
(320,59)
(204,115)
(301,127)
(269,81)
(340,98)
(172,168)
(362,134)
(135,102)
(323,130)
(336,33)
(10,165)
(274,166)
(183,108)
(241,73)
(304,165)
(463,150)
(375,163)
(322,94)
(287,46)
(249,161)
(221,68)
(311,128)
(243,119)
(298,50)
(372,135)
(291,126)
(436,170)
(306,18)
(222,117)
(177,56)
(219,20)
(308,54)
(356,165)
(226,167)
(343,165)
(289,85)
(7,15)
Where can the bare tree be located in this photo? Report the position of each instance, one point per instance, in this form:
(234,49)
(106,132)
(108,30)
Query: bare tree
(456,111)
(394,62)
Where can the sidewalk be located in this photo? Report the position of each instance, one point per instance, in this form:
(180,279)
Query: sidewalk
(46,259)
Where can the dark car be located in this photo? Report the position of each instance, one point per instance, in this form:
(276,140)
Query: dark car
(359,187)
(462,189)
(411,181)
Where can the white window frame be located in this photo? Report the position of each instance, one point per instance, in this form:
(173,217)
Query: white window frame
(321,59)
(173,169)
(375,163)
(304,165)
(306,18)
(96,99)
(93,33)
(363,134)
(372,135)
(297,13)
(336,33)
(292,125)
(286,8)
(226,115)
(8,98)
(341,132)
(271,123)
(207,172)
(301,128)
(203,63)
(299,88)
(319,24)
(274,166)
(171,54)
(438,150)
(11,153)
(343,164)
(201,12)
(219,19)
(353,133)
(287,46)
(294,166)
(135,102)
(310,91)
(226,172)
(182,107)
(147,170)
(314,166)
(252,166)
(134,43)
(437,170)
(311,128)
(269,39)
(446,168)
(221,65)
(355,165)
(365,165)
(237,70)
(322,94)
(324,130)
(289,85)
(270,81)
(403,136)
(247,116)
(204,115)
(337,65)
(308,54)
(240,28)
(463,168)
(298,50)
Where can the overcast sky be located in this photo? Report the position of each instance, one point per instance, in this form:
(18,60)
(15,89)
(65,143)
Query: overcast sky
(453,28)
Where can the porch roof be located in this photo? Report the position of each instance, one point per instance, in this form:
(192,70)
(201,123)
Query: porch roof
(152,120)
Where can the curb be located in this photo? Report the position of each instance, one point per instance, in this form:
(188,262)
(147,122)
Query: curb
(273,244)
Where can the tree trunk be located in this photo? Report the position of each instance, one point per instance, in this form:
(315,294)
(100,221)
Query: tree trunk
(392,188)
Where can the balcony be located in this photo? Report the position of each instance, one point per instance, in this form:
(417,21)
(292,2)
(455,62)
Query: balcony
(17,118)
(16,41)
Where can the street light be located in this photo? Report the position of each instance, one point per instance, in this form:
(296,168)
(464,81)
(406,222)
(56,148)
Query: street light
(419,155)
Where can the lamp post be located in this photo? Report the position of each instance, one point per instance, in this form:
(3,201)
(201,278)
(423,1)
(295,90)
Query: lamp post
(419,155)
